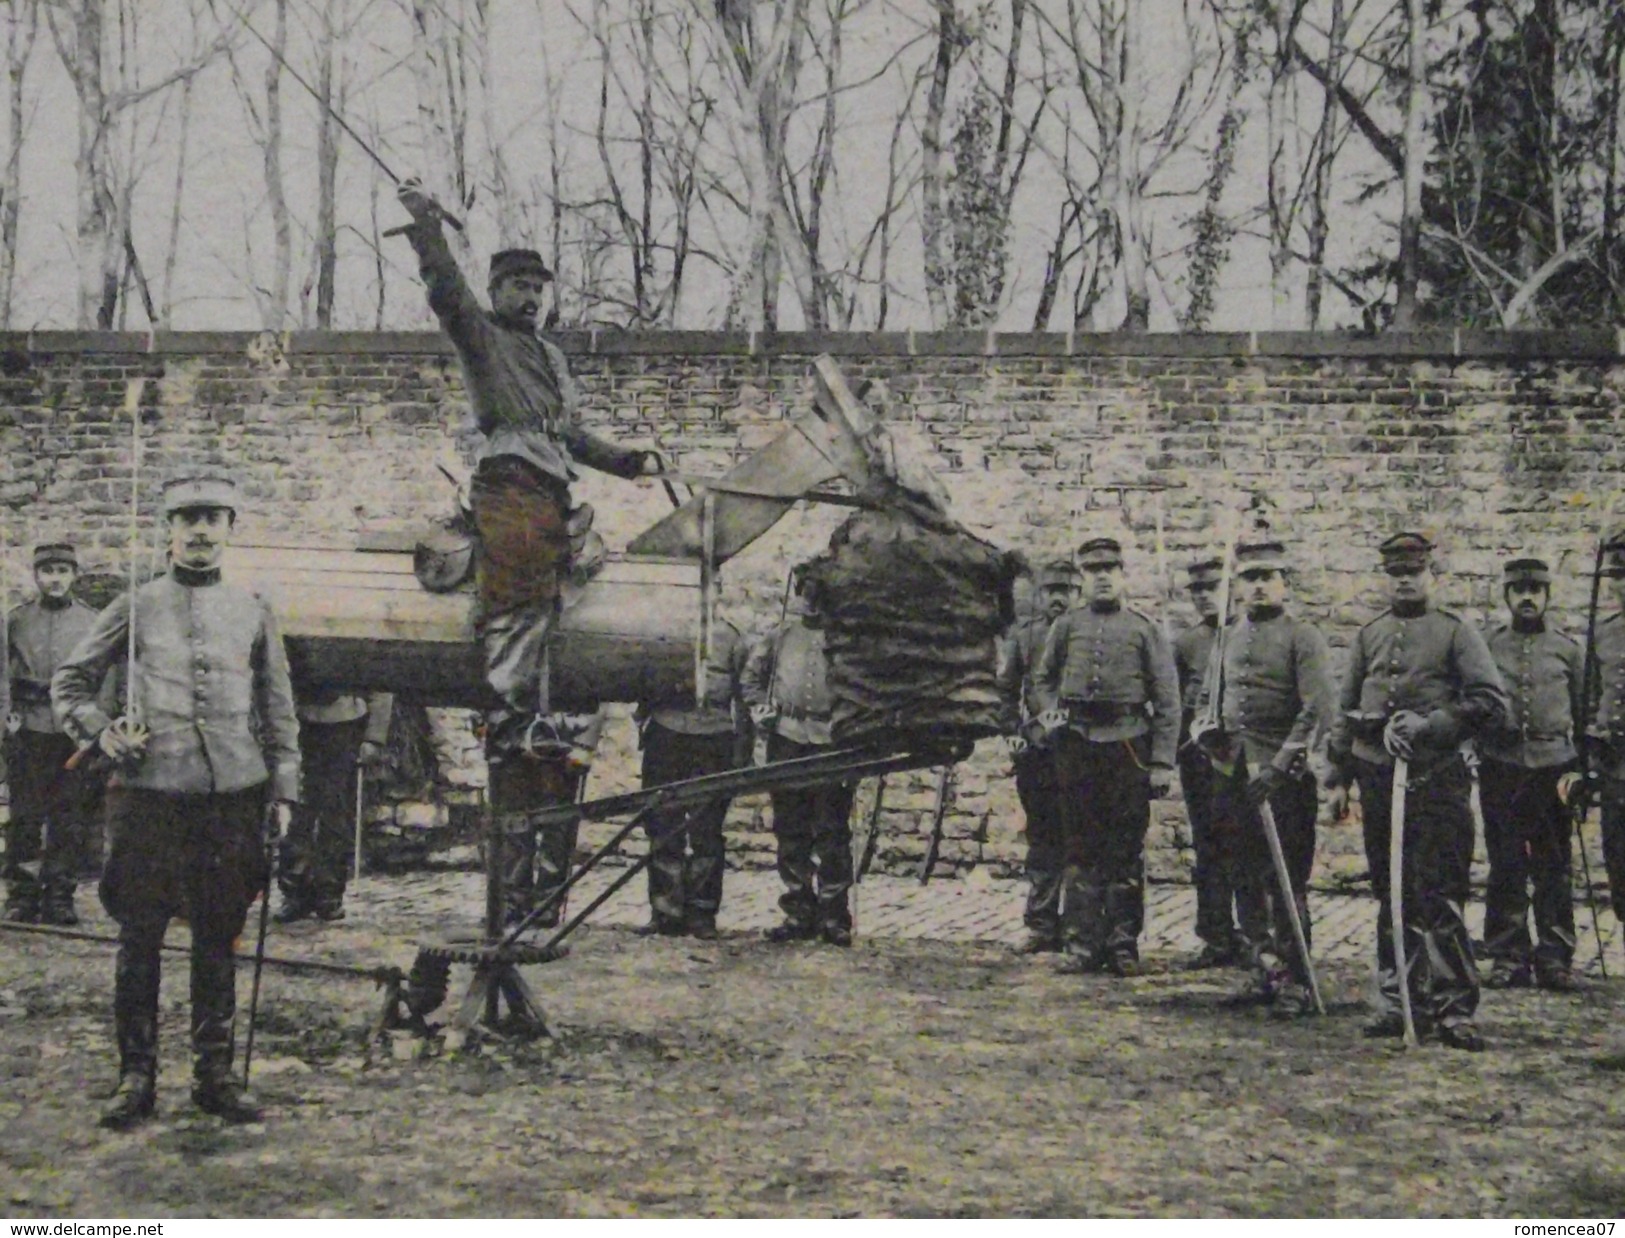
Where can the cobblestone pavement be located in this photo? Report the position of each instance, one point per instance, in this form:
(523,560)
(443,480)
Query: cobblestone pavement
(977,909)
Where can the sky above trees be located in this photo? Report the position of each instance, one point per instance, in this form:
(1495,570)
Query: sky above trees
(850,164)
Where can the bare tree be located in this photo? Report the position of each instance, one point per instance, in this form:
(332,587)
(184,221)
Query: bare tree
(440,62)
(974,150)
(22,30)
(1406,308)
(761,57)
(499,185)
(1320,188)
(1132,138)
(79,30)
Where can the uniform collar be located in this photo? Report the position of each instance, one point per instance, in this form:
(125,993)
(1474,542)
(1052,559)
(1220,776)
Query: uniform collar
(1266,613)
(1409,610)
(1529,627)
(61,603)
(194,578)
(1105,608)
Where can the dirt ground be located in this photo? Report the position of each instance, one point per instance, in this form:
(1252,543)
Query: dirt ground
(738,1078)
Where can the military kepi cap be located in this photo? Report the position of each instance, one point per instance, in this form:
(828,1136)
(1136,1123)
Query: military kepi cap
(1266,553)
(1409,549)
(1101,552)
(1058,574)
(1204,570)
(506,262)
(201,489)
(55,552)
(1527,571)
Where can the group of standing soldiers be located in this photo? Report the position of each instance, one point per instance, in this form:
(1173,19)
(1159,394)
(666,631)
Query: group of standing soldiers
(1104,707)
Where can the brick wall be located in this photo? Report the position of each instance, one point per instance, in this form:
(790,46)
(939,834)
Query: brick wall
(1496,441)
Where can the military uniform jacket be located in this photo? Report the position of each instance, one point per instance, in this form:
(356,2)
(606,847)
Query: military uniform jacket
(1113,671)
(211,680)
(1431,663)
(1543,672)
(1276,690)
(524,399)
(1017,670)
(41,637)
(1192,648)
(1608,715)
(724,686)
(800,690)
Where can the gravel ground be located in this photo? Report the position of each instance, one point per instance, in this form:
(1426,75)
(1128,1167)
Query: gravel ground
(906,1077)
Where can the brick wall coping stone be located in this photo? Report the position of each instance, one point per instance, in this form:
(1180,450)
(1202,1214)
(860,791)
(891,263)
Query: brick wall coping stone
(1446,344)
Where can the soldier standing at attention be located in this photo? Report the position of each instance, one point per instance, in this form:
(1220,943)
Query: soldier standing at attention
(1034,758)
(1275,702)
(338,733)
(788,694)
(1526,825)
(215,751)
(686,844)
(1109,671)
(1419,682)
(50,805)
(1605,731)
(1215,899)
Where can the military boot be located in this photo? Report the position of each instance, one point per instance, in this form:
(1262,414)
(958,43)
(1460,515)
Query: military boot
(215,1088)
(56,905)
(137,1094)
(22,901)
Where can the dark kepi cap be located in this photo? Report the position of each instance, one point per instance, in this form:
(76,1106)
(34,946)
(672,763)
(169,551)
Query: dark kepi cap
(203,488)
(1264,553)
(55,552)
(1408,549)
(1058,574)
(1526,571)
(1101,552)
(506,262)
(1205,570)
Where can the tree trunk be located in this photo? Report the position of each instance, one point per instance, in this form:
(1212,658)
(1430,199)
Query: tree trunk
(166,308)
(24,27)
(1407,312)
(327,167)
(1128,189)
(934,222)
(274,305)
(1279,113)
(1321,185)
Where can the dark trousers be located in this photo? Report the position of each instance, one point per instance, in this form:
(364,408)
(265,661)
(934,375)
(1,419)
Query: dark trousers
(1526,832)
(535,858)
(1266,926)
(197,856)
(1105,799)
(1613,841)
(1046,861)
(686,845)
(524,549)
(46,837)
(813,828)
(1215,894)
(318,851)
(1436,882)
